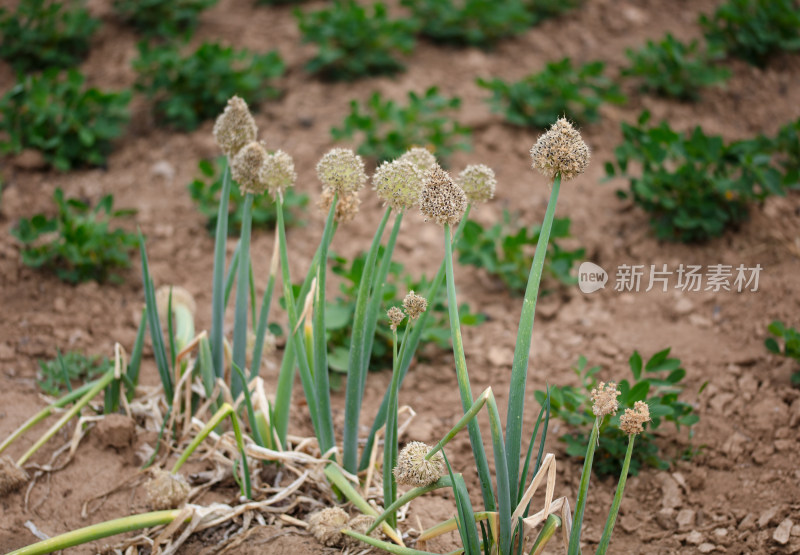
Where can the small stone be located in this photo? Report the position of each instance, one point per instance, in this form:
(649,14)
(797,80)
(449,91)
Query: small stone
(747,522)
(694,538)
(784,445)
(699,321)
(500,356)
(685,519)
(720,401)
(116,430)
(765,519)
(7,352)
(783,531)
(59,304)
(164,170)
(670,492)
(665,518)
(683,306)
(706,547)
(721,533)
(30,159)
(795,530)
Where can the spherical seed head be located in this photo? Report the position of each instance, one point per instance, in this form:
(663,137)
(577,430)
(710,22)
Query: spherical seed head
(326,525)
(420,157)
(441,200)
(346,207)
(413,470)
(398,183)
(342,170)
(396,317)
(360,524)
(478,182)
(604,399)
(235,127)
(246,167)
(165,490)
(632,421)
(561,150)
(277,173)
(12,477)
(415,305)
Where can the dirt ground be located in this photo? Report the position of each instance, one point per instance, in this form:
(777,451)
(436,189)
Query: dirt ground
(743,484)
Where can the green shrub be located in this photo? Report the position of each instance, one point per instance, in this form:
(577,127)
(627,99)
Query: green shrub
(546,9)
(55,377)
(55,114)
(352,44)
(791,344)
(658,383)
(77,244)
(471,22)
(162,18)
(558,91)
(754,30)
(390,129)
(339,314)
(190,89)
(674,69)
(506,251)
(695,186)
(205,193)
(45,33)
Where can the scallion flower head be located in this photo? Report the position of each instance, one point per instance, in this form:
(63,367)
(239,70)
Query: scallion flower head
(441,200)
(165,490)
(395,316)
(235,127)
(346,207)
(560,150)
(398,183)
(415,305)
(12,477)
(277,173)
(420,157)
(478,182)
(632,421)
(326,525)
(414,470)
(342,170)
(604,399)
(246,168)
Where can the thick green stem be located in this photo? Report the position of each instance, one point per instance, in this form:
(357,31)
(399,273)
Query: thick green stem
(98,386)
(242,294)
(577,519)
(408,351)
(519,368)
(355,379)
(99,531)
(463,377)
(218,280)
(612,516)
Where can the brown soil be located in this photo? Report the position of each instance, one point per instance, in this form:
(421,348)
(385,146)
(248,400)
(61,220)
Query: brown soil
(731,497)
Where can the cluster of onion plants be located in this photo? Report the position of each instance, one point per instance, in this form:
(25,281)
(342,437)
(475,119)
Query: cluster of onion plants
(205,372)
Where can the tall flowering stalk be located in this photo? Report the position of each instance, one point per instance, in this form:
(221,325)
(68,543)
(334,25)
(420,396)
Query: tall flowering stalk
(560,155)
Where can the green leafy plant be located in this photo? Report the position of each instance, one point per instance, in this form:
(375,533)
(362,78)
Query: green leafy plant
(546,9)
(754,30)
(77,244)
(560,90)
(340,311)
(390,129)
(58,375)
(674,69)
(695,186)
(55,114)
(205,193)
(162,18)
(791,344)
(190,89)
(45,33)
(658,382)
(471,22)
(505,250)
(351,43)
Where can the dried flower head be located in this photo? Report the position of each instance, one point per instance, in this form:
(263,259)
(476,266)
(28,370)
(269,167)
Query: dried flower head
(360,524)
(415,305)
(604,399)
(420,157)
(277,173)
(12,477)
(560,150)
(398,183)
(165,490)
(414,470)
(396,317)
(441,200)
(246,167)
(235,127)
(478,182)
(346,207)
(326,525)
(632,421)
(342,170)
